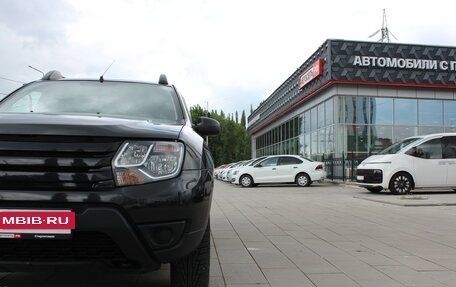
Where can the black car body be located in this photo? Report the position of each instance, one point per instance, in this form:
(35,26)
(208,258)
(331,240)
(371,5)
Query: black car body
(124,157)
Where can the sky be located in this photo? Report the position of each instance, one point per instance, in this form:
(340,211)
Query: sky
(221,54)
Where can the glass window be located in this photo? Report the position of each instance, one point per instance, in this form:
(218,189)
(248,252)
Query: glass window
(381,137)
(313,119)
(321,141)
(269,161)
(401,133)
(299,126)
(381,111)
(429,130)
(282,133)
(356,110)
(357,138)
(431,149)
(405,112)
(306,148)
(449,113)
(430,113)
(287,130)
(449,147)
(307,122)
(157,103)
(301,145)
(329,110)
(287,160)
(314,143)
(321,116)
(329,140)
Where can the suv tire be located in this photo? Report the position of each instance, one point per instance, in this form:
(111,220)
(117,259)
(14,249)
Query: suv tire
(401,183)
(193,269)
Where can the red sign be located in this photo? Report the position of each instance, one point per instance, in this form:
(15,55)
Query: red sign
(311,73)
(37,220)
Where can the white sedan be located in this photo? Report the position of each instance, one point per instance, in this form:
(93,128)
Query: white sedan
(281,169)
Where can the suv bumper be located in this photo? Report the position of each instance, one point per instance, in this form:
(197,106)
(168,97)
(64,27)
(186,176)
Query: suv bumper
(132,228)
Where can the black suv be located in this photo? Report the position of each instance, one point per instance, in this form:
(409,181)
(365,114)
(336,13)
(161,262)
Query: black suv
(123,159)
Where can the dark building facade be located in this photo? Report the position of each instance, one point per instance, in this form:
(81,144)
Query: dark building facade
(351,99)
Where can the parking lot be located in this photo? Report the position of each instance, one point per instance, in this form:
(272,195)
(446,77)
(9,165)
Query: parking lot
(322,235)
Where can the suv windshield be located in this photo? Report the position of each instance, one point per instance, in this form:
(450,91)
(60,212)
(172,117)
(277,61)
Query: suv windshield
(156,103)
(396,147)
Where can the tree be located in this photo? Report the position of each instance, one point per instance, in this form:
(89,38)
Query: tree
(243,121)
(233,143)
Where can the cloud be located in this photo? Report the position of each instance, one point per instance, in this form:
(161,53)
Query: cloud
(228,53)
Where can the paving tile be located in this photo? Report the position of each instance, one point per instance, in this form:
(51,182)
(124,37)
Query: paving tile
(287,277)
(410,277)
(247,235)
(234,256)
(216,281)
(219,234)
(242,274)
(419,264)
(266,255)
(360,271)
(228,244)
(248,285)
(332,280)
(365,254)
(215,269)
(445,277)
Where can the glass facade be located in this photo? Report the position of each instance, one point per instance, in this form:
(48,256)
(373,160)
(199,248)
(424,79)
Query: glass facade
(355,126)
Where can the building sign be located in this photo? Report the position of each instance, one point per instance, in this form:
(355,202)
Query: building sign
(404,63)
(311,73)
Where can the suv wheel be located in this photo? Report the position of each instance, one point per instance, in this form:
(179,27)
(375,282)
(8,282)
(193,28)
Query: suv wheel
(303,179)
(246,181)
(401,183)
(193,269)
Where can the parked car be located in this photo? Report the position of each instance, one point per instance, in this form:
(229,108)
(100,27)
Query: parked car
(230,169)
(245,164)
(121,165)
(416,162)
(281,169)
(222,174)
(218,170)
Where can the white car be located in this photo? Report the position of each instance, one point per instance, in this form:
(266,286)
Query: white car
(281,169)
(250,162)
(416,162)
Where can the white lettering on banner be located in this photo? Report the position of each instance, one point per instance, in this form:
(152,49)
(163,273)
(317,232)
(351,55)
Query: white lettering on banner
(403,63)
(22,220)
(7,220)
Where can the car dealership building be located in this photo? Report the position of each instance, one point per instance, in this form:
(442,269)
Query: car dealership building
(351,99)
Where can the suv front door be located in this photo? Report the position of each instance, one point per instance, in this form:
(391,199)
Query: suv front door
(449,158)
(429,169)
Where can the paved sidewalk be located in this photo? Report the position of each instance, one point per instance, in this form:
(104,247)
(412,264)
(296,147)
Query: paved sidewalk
(329,235)
(324,235)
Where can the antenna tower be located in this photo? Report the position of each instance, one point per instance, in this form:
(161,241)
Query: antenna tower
(384,31)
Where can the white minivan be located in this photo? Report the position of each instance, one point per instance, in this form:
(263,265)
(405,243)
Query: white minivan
(417,162)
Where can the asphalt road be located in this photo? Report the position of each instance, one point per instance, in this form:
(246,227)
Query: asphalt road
(323,235)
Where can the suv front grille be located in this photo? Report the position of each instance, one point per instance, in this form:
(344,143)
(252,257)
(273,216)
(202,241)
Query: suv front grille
(56,163)
(369,175)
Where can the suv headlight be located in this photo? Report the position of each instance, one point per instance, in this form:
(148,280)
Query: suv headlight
(139,162)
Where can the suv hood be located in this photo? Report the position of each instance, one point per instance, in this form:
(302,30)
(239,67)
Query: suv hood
(78,125)
(373,159)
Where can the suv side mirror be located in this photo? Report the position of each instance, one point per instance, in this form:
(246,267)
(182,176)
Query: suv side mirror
(207,127)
